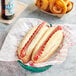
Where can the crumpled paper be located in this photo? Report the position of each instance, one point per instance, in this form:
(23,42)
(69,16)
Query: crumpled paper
(18,31)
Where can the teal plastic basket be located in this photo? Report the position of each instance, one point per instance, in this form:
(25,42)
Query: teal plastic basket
(35,69)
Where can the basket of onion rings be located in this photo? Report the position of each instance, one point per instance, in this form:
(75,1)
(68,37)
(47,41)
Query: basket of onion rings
(54,7)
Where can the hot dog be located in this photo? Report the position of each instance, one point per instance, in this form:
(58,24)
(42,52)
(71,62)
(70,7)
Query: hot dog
(47,45)
(30,40)
(40,43)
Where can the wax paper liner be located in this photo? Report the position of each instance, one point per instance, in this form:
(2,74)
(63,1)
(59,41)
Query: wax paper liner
(18,31)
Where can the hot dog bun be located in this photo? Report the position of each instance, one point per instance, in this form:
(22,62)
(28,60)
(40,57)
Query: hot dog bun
(30,40)
(47,45)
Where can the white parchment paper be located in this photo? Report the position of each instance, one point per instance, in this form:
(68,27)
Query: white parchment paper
(18,31)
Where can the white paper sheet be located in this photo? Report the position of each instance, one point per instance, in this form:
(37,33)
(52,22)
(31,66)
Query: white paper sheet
(18,31)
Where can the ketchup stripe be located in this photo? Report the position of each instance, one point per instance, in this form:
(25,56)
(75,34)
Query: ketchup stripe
(22,54)
(43,46)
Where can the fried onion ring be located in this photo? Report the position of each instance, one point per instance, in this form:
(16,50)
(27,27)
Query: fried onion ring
(58,6)
(42,4)
(66,1)
(69,6)
(37,3)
